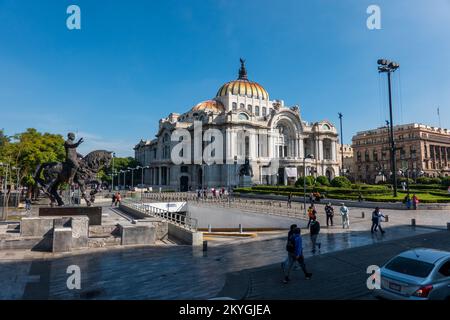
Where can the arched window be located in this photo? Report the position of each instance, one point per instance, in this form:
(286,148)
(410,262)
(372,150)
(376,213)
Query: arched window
(234,106)
(249,108)
(242,106)
(264,111)
(257,111)
(243,116)
(326,145)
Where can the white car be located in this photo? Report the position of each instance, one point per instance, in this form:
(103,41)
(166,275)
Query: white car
(419,274)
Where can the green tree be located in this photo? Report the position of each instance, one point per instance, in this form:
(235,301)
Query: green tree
(29,149)
(310,181)
(446,181)
(323,181)
(121,164)
(341,182)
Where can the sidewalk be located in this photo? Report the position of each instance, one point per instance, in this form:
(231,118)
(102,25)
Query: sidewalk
(336,275)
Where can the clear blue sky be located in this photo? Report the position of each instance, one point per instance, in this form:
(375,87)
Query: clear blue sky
(133,62)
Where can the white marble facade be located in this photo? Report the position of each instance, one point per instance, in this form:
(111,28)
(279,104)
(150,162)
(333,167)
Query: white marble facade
(253,127)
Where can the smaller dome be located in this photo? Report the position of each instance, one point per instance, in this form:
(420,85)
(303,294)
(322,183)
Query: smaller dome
(209,105)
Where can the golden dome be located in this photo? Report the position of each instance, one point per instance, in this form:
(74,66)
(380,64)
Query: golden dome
(242,86)
(209,105)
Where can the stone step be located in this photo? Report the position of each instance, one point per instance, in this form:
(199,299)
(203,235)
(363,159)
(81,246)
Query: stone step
(102,231)
(104,242)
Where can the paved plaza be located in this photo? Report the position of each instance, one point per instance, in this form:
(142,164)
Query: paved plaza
(164,272)
(168,271)
(336,275)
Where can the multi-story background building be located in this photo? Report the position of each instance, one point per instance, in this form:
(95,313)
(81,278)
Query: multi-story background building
(253,127)
(421,151)
(348,164)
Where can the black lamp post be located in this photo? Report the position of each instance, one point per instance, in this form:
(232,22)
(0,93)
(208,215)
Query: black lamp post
(342,145)
(389,67)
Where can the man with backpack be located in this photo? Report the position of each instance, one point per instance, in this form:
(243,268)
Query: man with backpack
(295,254)
(312,214)
(314,230)
(329,211)
(290,247)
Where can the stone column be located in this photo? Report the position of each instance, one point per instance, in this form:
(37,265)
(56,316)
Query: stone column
(320,149)
(301,148)
(228,146)
(333,150)
(270,147)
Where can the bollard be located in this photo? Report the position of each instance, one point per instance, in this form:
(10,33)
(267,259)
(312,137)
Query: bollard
(240,228)
(209,228)
(413,222)
(362,214)
(386,218)
(205,245)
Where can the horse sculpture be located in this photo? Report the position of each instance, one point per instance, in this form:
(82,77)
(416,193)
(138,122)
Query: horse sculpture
(246,169)
(56,173)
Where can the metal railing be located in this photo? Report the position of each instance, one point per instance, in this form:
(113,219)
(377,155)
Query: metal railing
(271,207)
(175,218)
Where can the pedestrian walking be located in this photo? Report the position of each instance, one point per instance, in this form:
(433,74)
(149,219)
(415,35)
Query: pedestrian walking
(376,221)
(27,204)
(312,214)
(290,246)
(415,202)
(311,198)
(329,211)
(289,200)
(360,198)
(407,202)
(296,256)
(314,230)
(345,216)
(113,199)
(118,199)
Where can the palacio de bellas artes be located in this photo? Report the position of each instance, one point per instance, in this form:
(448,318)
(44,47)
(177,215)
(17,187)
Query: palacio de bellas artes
(251,126)
(224,159)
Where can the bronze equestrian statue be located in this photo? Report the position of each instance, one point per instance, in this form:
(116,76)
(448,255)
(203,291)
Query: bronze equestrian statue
(246,169)
(76,169)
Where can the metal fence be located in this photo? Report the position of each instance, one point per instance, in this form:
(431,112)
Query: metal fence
(271,207)
(175,218)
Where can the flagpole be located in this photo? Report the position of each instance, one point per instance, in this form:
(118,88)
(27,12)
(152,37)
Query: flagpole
(439,117)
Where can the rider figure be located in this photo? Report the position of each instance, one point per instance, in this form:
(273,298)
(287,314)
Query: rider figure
(72,156)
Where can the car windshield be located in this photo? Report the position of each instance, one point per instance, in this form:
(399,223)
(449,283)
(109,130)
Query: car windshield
(410,267)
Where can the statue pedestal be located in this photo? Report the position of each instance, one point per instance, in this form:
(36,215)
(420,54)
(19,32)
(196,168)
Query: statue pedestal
(94,213)
(245,181)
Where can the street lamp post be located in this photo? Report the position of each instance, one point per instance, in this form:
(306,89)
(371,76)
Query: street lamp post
(132,177)
(124,177)
(5,191)
(112,171)
(342,145)
(309,156)
(17,184)
(390,67)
